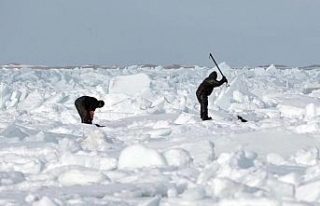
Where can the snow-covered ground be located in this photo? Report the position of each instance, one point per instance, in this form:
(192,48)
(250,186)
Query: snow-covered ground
(155,150)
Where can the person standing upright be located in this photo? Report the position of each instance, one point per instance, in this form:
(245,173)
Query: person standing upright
(205,89)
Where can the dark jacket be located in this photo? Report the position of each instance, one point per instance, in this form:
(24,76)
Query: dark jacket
(206,87)
(89,103)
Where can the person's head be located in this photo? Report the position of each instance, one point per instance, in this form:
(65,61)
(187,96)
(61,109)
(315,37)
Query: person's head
(100,103)
(213,75)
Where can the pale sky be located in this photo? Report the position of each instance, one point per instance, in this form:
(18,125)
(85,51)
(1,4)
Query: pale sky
(161,32)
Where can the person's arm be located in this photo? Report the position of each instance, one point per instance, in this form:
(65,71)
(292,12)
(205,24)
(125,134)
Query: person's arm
(216,83)
(91,106)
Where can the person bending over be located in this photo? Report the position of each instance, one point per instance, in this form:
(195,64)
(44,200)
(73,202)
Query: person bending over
(86,106)
(205,89)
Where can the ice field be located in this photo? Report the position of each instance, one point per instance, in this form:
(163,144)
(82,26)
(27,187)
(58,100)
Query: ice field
(154,149)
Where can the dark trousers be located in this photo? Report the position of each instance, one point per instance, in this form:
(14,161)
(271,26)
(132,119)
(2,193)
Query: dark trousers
(83,112)
(203,100)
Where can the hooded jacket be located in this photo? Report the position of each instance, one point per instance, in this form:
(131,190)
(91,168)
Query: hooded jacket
(89,103)
(206,87)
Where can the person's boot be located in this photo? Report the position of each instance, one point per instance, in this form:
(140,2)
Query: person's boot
(206,118)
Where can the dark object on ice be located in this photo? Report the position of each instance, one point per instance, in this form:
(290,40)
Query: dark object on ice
(241,119)
(205,89)
(86,106)
(98,125)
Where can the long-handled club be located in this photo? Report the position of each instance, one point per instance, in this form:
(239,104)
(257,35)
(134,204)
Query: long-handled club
(210,56)
(238,116)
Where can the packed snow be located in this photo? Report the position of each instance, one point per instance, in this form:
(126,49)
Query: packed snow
(154,149)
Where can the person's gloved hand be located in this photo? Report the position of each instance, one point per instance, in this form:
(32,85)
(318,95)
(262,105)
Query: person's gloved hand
(224,79)
(91,114)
